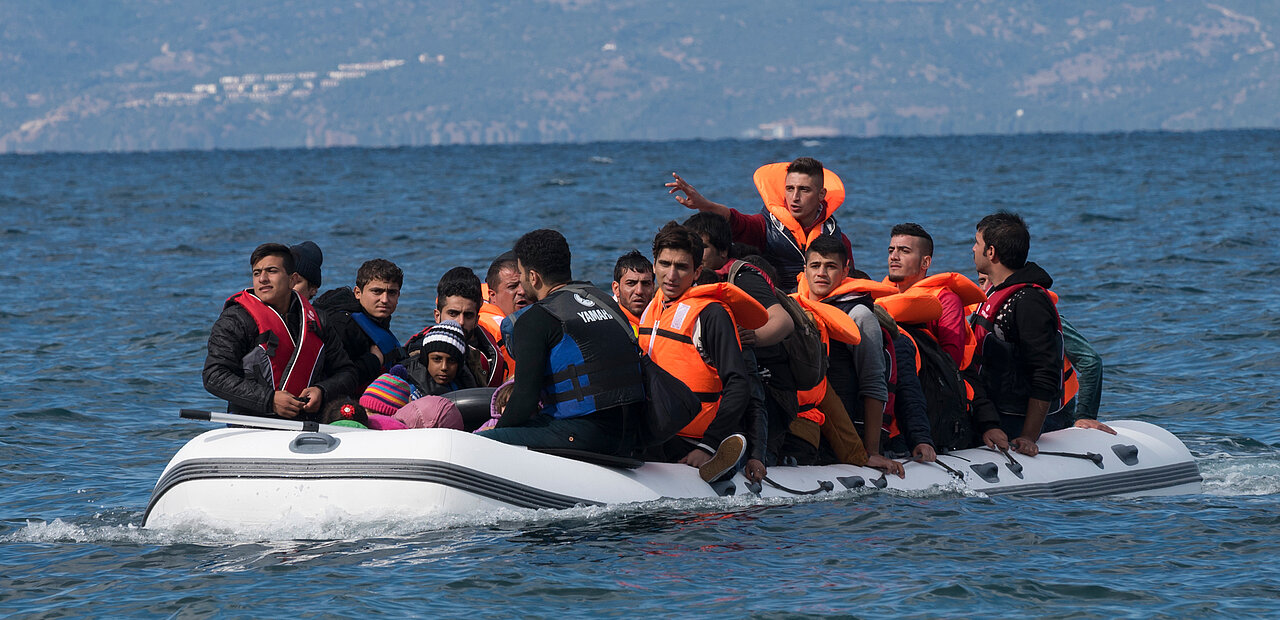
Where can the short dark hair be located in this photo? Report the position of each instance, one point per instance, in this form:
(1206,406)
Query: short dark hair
(273,249)
(379,269)
(828,245)
(547,252)
(809,166)
(1007,233)
(631,261)
(458,282)
(507,261)
(912,229)
(714,227)
(676,237)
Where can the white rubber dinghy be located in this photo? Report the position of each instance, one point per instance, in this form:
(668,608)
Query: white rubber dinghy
(242,478)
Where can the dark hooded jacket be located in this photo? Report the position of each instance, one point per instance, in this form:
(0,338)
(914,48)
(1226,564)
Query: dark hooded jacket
(1028,322)
(335,307)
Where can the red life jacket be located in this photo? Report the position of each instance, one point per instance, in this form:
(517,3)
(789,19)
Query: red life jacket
(983,332)
(292,365)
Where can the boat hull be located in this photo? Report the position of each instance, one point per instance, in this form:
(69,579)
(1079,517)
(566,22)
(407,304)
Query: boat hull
(245,478)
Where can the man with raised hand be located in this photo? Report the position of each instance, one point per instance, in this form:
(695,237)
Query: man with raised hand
(268,354)
(578,383)
(800,200)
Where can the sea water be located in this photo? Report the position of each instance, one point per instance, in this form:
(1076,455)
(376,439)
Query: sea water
(113,267)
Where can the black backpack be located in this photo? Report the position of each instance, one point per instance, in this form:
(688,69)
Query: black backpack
(944,393)
(806,355)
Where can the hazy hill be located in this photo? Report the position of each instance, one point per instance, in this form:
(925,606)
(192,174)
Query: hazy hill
(145,74)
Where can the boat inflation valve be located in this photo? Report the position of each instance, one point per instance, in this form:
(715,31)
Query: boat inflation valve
(313,443)
(852,482)
(724,488)
(1128,453)
(987,471)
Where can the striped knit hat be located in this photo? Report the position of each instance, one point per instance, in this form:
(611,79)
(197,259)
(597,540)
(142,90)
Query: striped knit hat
(446,337)
(387,394)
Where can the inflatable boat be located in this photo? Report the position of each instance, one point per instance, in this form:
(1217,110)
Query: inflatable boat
(242,478)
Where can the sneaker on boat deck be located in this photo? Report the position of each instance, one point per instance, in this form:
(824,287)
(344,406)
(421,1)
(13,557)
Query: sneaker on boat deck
(725,458)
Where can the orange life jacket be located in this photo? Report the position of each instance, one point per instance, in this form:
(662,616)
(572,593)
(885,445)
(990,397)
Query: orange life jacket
(292,364)
(832,323)
(911,306)
(971,296)
(771,183)
(666,336)
(852,285)
(491,322)
(632,319)
(785,240)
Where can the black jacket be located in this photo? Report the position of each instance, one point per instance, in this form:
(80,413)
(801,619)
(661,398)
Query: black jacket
(232,337)
(335,307)
(1028,322)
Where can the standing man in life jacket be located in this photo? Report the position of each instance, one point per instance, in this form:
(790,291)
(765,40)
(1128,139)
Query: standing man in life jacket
(633,286)
(578,383)
(268,354)
(800,201)
(910,255)
(361,316)
(1017,368)
(307,258)
(505,296)
(692,333)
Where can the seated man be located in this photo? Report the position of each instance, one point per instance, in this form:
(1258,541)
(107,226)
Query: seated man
(268,354)
(361,316)
(1017,368)
(633,285)
(770,413)
(307,258)
(458,299)
(910,255)
(505,297)
(691,333)
(574,355)
(858,373)
(800,199)
(1082,360)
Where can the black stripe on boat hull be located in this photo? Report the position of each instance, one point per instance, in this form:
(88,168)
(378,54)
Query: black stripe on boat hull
(1163,477)
(437,472)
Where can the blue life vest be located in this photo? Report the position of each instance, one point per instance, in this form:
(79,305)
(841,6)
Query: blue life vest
(785,252)
(380,335)
(596,364)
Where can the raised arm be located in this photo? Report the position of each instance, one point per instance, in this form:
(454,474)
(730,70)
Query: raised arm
(694,200)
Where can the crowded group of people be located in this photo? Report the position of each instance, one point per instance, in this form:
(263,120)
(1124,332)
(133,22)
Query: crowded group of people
(783,352)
